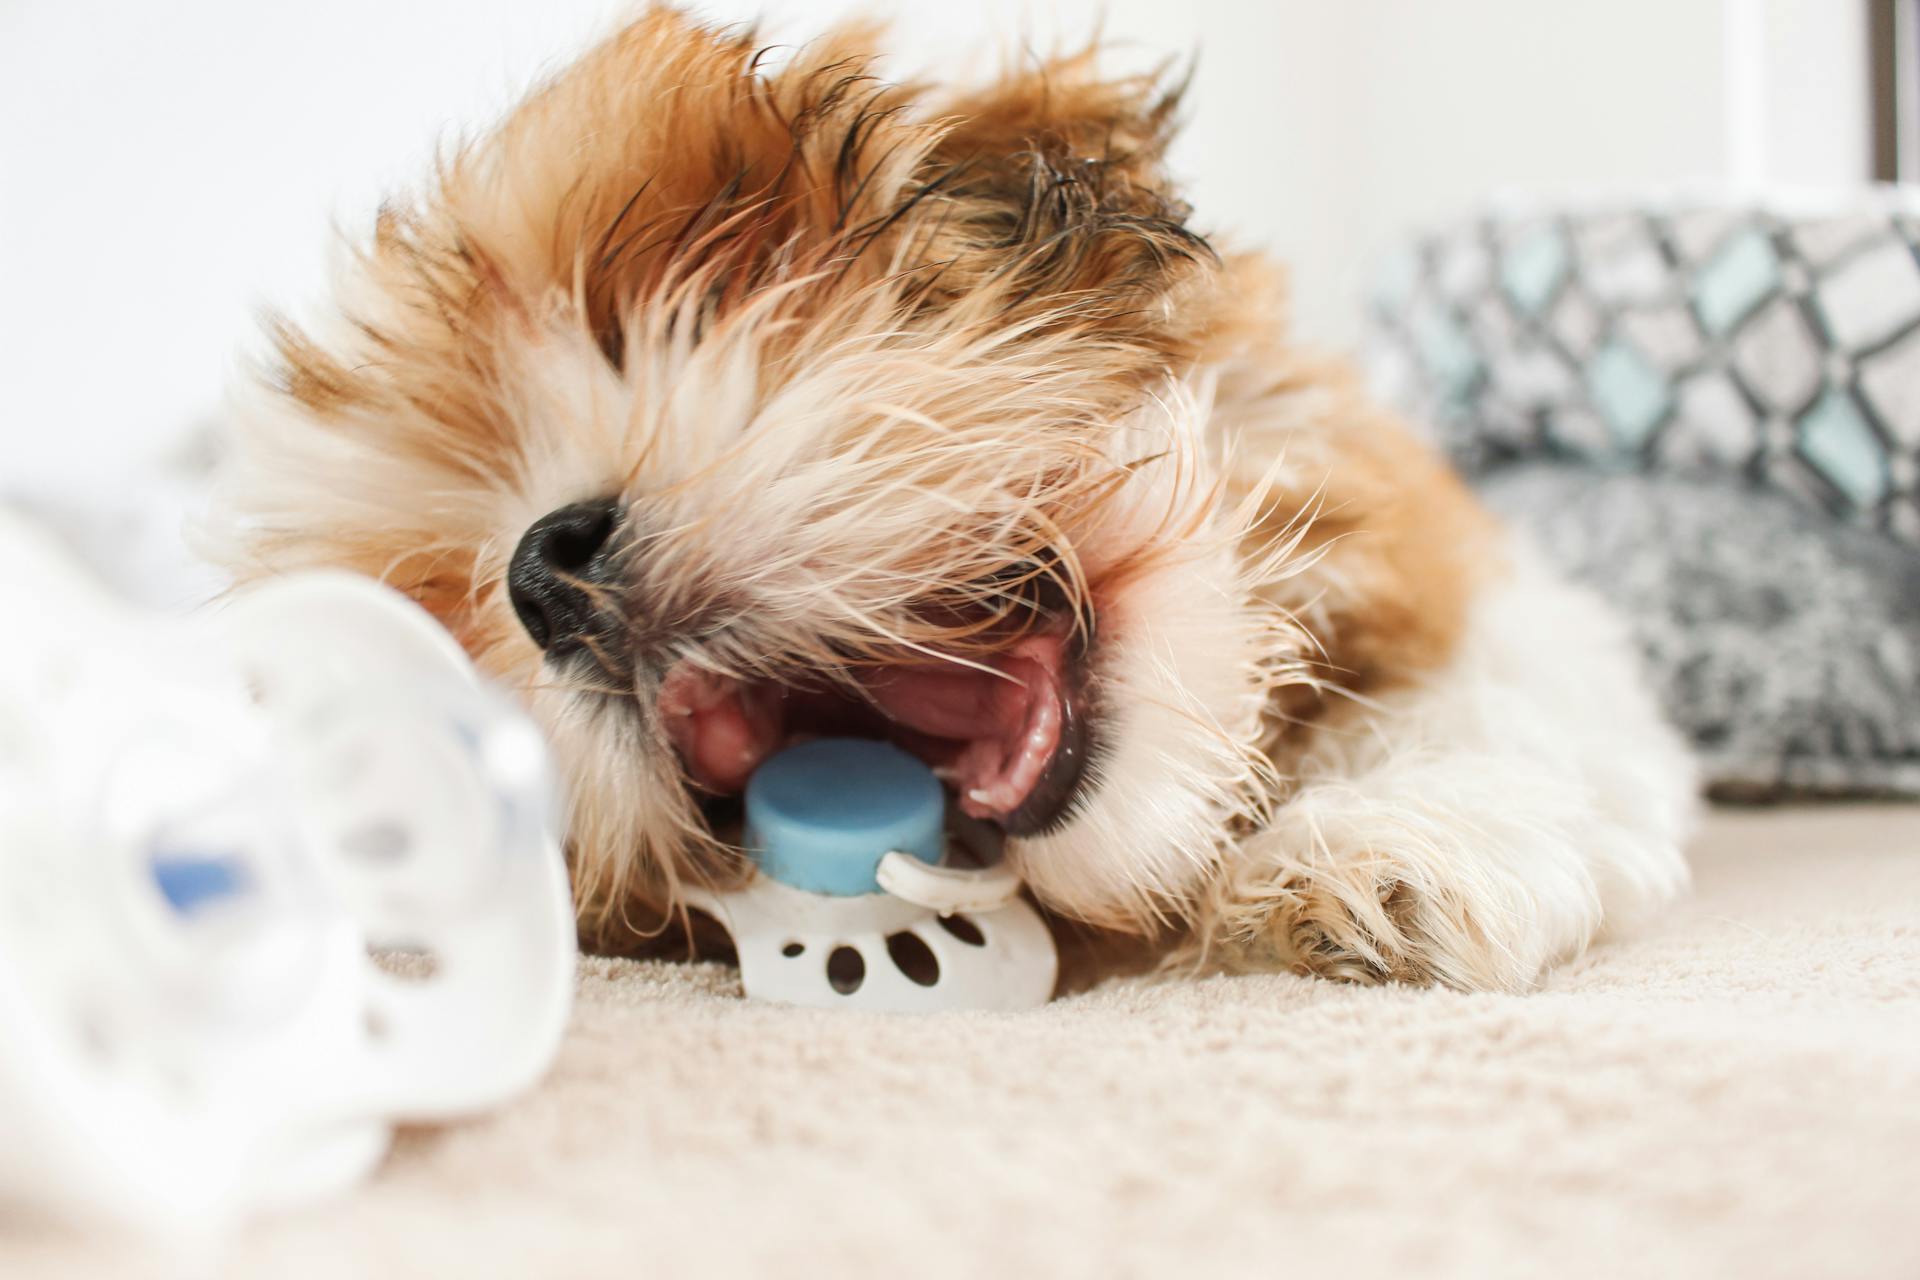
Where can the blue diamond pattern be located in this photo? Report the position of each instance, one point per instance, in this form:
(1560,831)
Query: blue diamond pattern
(1836,439)
(1761,304)
(1629,392)
(1445,351)
(1734,281)
(1534,267)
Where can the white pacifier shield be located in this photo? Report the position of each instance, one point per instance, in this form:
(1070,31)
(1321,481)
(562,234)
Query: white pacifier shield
(853,908)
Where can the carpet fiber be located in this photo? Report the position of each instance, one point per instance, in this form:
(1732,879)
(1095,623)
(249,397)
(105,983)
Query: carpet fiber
(1736,1092)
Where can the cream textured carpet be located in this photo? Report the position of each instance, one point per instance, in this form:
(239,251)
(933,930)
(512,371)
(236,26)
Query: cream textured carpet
(1735,1092)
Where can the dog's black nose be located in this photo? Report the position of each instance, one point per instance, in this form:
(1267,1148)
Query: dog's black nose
(553,579)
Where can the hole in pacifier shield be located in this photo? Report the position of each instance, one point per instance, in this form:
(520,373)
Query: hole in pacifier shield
(846,970)
(913,958)
(963,928)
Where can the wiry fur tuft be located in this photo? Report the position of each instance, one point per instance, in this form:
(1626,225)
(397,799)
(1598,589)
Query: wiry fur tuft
(873,370)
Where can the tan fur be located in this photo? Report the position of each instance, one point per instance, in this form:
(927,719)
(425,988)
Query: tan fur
(1403,541)
(850,350)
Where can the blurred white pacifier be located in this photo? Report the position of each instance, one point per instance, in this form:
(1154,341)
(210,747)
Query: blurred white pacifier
(208,828)
(861,899)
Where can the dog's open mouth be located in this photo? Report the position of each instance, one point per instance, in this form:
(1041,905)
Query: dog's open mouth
(1006,736)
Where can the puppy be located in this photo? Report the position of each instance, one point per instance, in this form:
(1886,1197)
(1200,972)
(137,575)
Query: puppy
(712,404)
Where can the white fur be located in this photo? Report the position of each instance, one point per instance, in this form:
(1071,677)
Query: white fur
(1485,822)
(1184,659)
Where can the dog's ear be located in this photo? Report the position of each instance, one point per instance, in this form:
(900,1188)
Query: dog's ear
(1060,175)
(1055,117)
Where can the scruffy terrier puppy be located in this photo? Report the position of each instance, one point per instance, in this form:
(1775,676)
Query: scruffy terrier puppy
(710,405)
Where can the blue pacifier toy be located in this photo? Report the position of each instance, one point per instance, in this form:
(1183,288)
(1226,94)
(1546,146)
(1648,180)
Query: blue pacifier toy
(863,898)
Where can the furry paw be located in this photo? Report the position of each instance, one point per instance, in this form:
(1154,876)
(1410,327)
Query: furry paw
(1372,929)
(1369,894)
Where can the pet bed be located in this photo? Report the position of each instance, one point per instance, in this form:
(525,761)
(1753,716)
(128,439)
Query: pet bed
(1711,412)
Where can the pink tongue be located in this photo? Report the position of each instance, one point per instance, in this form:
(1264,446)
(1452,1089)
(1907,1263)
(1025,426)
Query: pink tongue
(990,734)
(949,701)
(1007,725)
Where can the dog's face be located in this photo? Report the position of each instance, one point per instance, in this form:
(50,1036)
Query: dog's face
(713,408)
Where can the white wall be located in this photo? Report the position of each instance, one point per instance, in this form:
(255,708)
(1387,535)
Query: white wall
(167,168)
(1811,107)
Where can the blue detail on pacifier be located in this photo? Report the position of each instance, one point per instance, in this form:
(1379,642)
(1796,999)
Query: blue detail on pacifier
(191,881)
(821,815)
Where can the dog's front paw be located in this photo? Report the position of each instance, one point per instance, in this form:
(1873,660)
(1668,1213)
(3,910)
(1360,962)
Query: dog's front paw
(1367,926)
(1377,899)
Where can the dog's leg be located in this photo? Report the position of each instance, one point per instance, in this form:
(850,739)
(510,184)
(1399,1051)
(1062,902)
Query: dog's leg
(1475,823)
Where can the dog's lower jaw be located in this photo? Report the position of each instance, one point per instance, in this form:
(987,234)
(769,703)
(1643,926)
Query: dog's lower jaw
(1177,688)
(1472,828)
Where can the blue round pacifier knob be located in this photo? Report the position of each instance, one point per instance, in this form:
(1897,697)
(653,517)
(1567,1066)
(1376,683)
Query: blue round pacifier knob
(821,815)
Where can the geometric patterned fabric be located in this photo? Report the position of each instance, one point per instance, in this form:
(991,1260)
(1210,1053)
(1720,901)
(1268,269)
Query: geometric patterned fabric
(1775,344)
